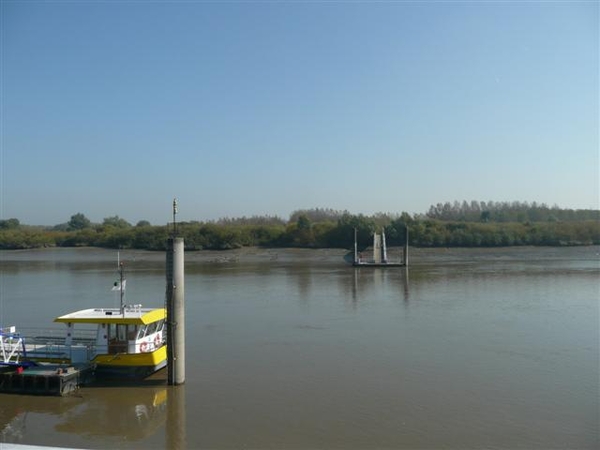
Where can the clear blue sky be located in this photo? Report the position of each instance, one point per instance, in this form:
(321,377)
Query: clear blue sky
(254,108)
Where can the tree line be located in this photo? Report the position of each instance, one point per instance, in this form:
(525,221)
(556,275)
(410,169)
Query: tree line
(475,211)
(474,224)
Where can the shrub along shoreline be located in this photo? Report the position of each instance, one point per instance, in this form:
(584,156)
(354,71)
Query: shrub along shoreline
(305,233)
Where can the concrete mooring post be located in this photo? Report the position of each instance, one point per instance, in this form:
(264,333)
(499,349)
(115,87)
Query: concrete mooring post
(175,312)
(406,247)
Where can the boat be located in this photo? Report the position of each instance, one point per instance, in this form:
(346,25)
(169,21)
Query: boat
(127,342)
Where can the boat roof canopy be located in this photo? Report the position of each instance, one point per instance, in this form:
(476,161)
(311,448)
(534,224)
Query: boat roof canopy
(132,315)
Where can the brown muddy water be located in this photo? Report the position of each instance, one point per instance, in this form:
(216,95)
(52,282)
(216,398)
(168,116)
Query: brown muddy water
(465,349)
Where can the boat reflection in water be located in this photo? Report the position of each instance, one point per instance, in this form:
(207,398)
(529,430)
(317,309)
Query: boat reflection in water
(132,416)
(129,412)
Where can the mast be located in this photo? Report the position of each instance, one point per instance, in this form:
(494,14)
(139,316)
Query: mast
(122,287)
(174,218)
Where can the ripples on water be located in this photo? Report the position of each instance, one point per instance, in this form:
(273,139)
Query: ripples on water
(290,348)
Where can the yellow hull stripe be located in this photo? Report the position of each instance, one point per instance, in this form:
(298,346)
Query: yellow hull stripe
(133,360)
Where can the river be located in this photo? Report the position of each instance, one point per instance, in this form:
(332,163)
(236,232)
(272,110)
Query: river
(464,349)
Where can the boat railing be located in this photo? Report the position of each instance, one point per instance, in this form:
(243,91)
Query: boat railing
(50,344)
(57,335)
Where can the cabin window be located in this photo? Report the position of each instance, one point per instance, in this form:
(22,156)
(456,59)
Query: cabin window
(141,332)
(147,330)
(151,328)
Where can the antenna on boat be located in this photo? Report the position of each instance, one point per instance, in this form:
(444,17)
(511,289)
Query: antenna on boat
(122,287)
(120,284)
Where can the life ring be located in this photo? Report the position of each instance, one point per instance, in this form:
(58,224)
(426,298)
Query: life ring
(157,341)
(144,347)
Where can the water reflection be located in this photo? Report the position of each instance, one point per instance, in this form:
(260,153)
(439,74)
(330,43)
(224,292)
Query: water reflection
(300,350)
(176,420)
(129,414)
(366,280)
(16,410)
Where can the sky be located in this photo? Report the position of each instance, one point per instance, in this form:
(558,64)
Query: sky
(244,108)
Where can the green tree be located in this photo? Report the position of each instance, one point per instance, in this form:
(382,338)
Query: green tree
(302,235)
(116,221)
(150,238)
(78,222)
(303,222)
(10,224)
(343,235)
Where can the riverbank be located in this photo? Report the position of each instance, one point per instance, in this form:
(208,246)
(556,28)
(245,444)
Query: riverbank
(423,233)
(336,256)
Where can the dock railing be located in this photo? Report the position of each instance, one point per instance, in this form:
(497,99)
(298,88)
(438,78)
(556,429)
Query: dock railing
(11,346)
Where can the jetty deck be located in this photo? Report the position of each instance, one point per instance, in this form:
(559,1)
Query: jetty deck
(378,264)
(45,379)
(380,253)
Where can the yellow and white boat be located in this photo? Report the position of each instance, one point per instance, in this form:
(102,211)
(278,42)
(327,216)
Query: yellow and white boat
(129,342)
(124,342)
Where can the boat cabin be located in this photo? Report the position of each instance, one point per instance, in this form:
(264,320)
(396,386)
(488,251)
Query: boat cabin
(130,330)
